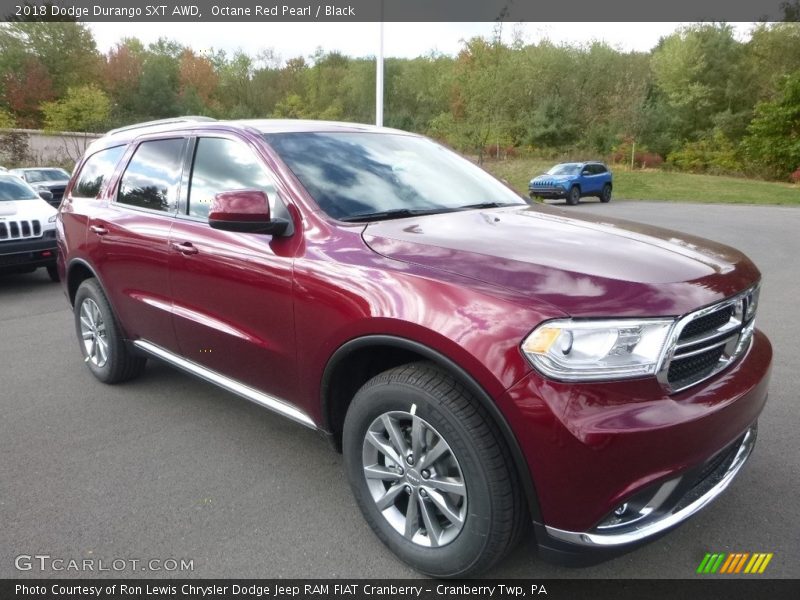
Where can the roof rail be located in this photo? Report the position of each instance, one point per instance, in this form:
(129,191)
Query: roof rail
(186,119)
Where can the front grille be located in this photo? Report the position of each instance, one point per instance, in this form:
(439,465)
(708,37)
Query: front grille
(709,340)
(686,369)
(19,230)
(58,194)
(707,323)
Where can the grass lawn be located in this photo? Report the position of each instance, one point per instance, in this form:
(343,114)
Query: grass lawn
(662,185)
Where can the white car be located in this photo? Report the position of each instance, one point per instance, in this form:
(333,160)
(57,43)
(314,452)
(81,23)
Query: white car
(27,229)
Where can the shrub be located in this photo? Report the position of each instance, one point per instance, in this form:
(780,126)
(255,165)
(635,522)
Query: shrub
(506,152)
(715,154)
(643,159)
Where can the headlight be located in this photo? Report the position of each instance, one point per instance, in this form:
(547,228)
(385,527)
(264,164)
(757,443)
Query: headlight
(52,219)
(598,350)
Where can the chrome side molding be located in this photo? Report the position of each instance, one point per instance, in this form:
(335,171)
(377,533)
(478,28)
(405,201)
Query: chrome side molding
(274,404)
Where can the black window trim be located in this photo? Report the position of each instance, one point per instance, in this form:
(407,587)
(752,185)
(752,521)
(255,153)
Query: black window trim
(188,169)
(135,146)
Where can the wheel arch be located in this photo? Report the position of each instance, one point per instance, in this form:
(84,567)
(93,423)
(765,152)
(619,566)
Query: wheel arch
(78,271)
(387,351)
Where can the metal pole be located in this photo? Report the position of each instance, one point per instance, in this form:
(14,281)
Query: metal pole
(379,78)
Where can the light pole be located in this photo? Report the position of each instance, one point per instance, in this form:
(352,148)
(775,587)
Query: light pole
(379,77)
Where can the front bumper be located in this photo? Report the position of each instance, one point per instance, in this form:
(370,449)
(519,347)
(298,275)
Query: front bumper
(550,193)
(36,252)
(592,448)
(672,502)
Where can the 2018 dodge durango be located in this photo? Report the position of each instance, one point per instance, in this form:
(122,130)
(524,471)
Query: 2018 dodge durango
(489,369)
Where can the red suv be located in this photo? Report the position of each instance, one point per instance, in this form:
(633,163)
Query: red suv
(484,365)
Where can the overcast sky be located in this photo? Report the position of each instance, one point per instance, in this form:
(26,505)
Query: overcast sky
(406,40)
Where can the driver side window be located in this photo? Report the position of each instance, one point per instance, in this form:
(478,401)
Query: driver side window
(223,165)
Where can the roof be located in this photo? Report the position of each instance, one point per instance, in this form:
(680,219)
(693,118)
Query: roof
(125,134)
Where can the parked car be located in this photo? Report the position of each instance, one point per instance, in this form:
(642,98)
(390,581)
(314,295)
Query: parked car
(27,229)
(480,370)
(573,181)
(51,179)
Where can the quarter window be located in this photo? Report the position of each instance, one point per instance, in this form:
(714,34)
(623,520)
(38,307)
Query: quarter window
(153,175)
(223,165)
(96,171)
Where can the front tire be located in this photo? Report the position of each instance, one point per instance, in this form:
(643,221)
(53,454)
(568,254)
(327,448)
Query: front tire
(574,195)
(100,337)
(431,473)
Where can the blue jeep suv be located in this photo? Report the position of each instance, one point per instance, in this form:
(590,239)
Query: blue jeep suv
(573,181)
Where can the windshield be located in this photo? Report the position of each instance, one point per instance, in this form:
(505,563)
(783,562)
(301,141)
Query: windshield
(39,175)
(12,188)
(565,169)
(358,174)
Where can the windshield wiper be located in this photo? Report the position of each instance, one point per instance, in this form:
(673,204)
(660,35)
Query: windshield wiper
(489,205)
(396,213)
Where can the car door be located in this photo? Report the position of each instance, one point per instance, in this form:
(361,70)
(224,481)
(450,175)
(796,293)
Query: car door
(233,310)
(589,180)
(128,239)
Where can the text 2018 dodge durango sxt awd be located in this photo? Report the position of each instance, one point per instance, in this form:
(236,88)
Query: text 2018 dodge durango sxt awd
(483,365)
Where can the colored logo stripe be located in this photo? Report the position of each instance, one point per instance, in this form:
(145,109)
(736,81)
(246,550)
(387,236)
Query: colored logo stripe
(721,562)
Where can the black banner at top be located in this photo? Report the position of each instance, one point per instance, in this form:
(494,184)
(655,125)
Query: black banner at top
(399,10)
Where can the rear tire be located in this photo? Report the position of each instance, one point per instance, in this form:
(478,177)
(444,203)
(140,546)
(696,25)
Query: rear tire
(431,472)
(574,195)
(101,341)
(605,195)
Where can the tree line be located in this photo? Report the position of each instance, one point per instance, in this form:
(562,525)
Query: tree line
(700,100)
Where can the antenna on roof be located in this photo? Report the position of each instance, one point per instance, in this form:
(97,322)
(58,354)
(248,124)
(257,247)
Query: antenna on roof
(185,119)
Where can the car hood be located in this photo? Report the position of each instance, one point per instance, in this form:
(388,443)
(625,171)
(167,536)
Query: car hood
(51,184)
(551,178)
(584,266)
(26,209)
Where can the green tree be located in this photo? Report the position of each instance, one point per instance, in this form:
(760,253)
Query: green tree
(67,50)
(773,140)
(84,108)
(7,120)
(157,96)
(700,72)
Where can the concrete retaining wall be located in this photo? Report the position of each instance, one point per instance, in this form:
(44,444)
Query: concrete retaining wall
(34,147)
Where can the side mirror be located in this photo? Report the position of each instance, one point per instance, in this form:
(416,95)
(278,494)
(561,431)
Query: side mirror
(45,194)
(244,211)
(585,172)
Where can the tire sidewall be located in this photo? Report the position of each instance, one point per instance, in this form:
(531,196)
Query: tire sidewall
(605,195)
(89,289)
(459,555)
(574,195)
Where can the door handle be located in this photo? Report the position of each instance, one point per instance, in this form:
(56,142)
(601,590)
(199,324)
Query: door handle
(98,229)
(184,247)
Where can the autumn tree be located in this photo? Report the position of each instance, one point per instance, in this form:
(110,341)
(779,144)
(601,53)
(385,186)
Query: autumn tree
(26,89)
(197,81)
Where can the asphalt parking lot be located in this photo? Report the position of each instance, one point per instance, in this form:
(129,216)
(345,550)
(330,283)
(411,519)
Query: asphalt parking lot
(169,467)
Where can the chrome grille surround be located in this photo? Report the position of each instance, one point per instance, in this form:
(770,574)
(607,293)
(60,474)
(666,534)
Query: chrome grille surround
(703,352)
(19,230)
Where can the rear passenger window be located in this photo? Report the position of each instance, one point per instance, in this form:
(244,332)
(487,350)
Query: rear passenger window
(222,165)
(152,177)
(96,171)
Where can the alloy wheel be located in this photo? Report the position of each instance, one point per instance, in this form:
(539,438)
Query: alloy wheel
(414,479)
(93,333)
